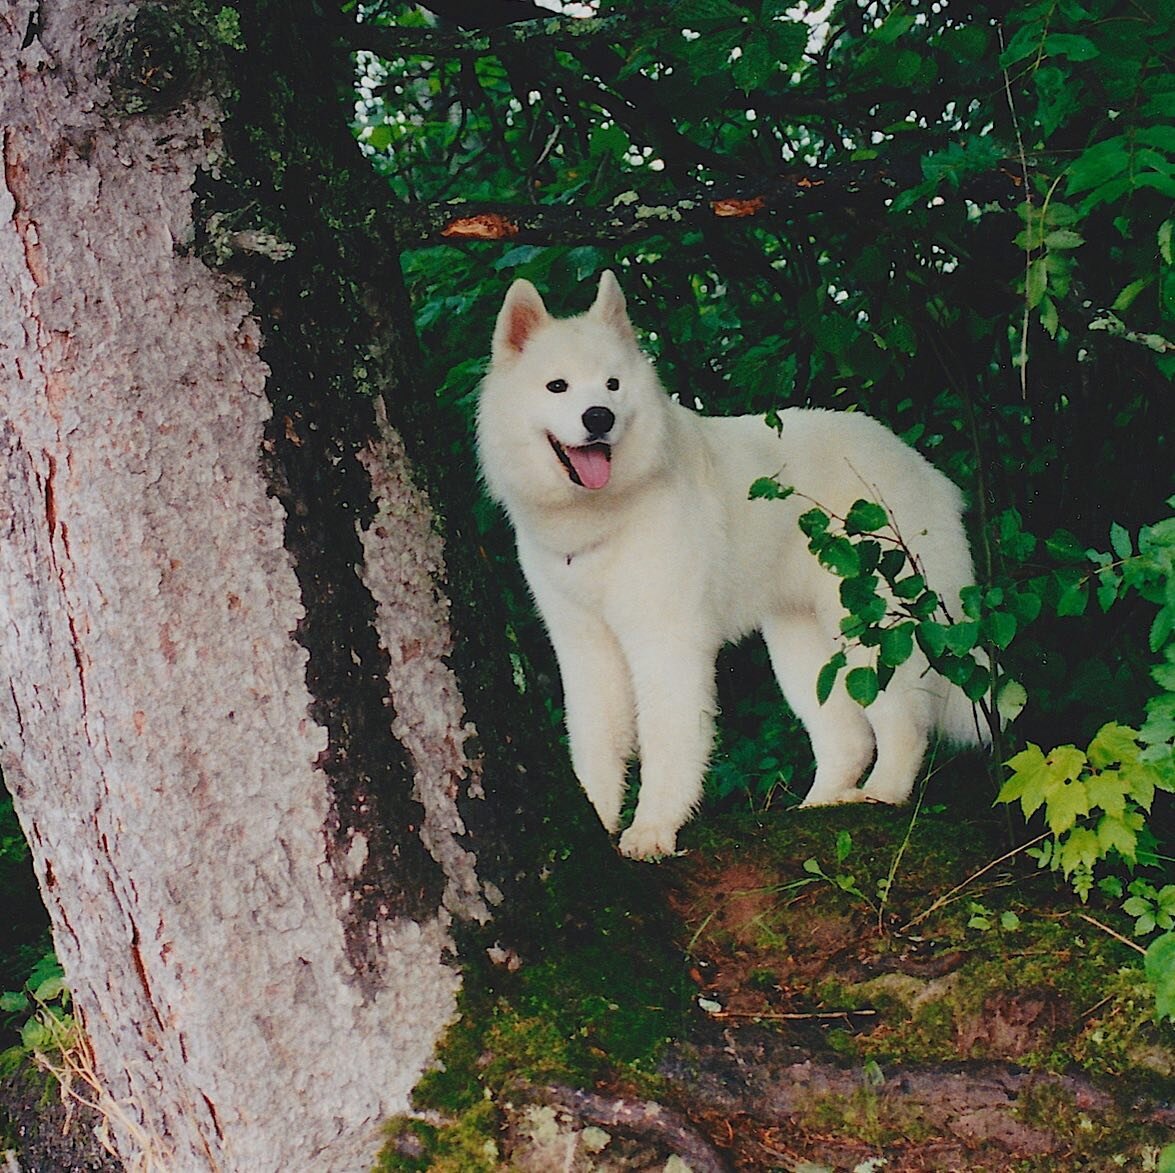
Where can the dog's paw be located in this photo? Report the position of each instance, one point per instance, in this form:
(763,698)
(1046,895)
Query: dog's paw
(648,842)
(836,798)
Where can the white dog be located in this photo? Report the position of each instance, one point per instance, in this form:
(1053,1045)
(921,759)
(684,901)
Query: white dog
(645,555)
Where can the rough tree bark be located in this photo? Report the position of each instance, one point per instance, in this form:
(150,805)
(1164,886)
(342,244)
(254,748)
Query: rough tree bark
(227,711)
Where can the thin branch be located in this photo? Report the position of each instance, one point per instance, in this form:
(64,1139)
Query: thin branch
(1117,936)
(769,1016)
(631,216)
(943,901)
(392,41)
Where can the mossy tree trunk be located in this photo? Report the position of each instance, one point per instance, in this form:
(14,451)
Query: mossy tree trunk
(232,682)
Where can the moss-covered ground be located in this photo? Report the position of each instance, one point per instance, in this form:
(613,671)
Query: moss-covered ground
(875,939)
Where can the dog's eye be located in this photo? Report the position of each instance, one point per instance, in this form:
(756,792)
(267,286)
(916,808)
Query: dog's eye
(557,386)
(613,384)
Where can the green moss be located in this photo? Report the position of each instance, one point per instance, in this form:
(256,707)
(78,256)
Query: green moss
(1120,1039)
(466,1145)
(602,1006)
(1095,1142)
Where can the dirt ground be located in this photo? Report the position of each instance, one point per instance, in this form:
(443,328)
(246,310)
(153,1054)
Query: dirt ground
(873,989)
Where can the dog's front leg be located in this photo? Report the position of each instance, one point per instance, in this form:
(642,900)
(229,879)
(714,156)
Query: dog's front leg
(598,707)
(675,699)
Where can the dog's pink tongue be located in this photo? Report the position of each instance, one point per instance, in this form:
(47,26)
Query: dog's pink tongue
(591,465)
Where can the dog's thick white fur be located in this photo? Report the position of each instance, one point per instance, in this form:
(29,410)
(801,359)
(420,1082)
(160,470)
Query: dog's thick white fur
(645,555)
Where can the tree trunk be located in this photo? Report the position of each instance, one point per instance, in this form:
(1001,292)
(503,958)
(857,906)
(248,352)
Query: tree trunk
(228,720)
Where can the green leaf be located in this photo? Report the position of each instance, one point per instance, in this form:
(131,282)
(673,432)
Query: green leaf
(897,644)
(1065,762)
(826,678)
(1099,163)
(49,989)
(1000,628)
(1080,850)
(895,26)
(814,522)
(961,638)
(1025,605)
(1129,293)
(1076,48)
(1162,137)
(701,14)
(14,1002)
(972,600)
(862,686)
(844,846)
(1029,782)
(909,587)
(1113,743)
(1118,835)
(769,489)
(1065,805)
(788,40)
(1073,593)
(859,597)
(892,563)
(710,53)
(967,43)
(1065,547)
(865,517)
(36,1036)
(840,556)
(1063,238)
(1011,700)
(1120,541)
(755,64)
(1159,967)
(380,136)
(1050,317)
(1036,282)
(932,638)
(1107,791)
(1027,41)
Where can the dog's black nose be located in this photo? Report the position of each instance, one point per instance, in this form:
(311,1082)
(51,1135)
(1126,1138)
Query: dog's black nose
(598,421)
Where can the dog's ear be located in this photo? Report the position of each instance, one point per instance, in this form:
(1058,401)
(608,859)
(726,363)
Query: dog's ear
(522,313)
(610,306)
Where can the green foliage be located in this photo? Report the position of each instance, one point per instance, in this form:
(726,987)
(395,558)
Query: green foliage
(41,1008)
(1152,908)
(1159,967)
(839,878)
(1096,802)
(889,607)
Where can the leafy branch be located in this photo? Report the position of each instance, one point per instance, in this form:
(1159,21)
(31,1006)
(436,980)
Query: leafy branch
(890,607)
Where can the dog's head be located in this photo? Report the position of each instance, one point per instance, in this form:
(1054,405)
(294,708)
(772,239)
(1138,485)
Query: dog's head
(562,395)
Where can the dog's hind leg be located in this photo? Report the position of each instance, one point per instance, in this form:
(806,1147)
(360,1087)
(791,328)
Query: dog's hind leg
(900,725)
(840,733)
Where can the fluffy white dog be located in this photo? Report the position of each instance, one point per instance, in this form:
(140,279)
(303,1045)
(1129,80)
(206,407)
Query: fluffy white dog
(645,555)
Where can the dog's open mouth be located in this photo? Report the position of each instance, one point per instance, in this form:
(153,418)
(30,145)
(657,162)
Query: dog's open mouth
(589,466)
